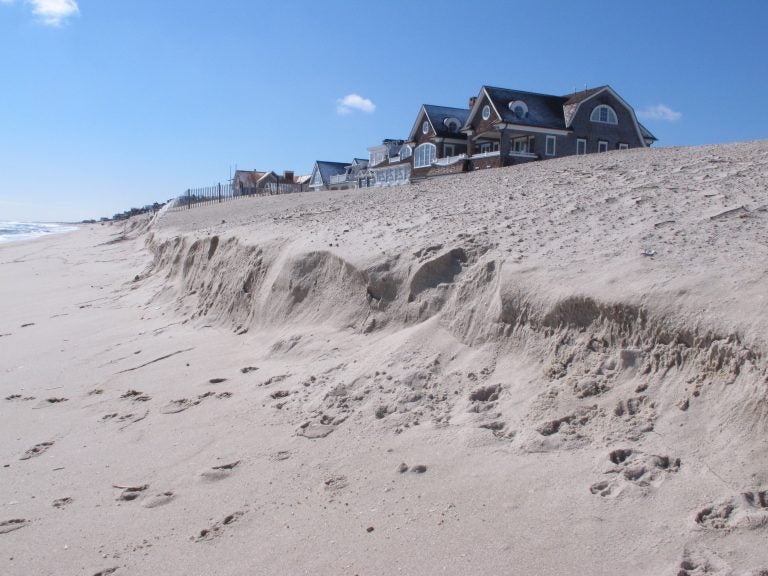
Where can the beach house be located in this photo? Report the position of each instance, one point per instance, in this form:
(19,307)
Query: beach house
(506,127)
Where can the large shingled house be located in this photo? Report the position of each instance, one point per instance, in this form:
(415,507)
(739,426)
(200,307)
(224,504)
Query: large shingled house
(507,127)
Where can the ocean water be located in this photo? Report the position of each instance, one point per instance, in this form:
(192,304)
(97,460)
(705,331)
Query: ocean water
(12,231)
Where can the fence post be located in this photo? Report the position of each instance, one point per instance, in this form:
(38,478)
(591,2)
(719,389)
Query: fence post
(219,192)
(189,200)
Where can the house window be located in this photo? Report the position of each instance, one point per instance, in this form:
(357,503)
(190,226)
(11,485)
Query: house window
(581,146)
(604,114)
(495,146)
(519,108)
(450,150)
(521,145)
(485,147)
(425,127)
(550,146)
(623,146)
(405,152)
(452,124)
(424,155)
(602,146)
(531,144)
(486,112)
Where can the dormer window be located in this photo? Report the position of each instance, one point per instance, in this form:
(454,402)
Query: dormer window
(425,127)
(519,108)
(405,152)
(604,114)
(486,112)
(452,124)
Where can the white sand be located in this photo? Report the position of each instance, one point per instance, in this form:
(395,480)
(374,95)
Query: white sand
(580,408)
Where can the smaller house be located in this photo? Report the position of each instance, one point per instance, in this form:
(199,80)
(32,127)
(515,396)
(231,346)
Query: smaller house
(436,144)
(250,182)
(323,172)
(303,182)
(387,166)
(340,176)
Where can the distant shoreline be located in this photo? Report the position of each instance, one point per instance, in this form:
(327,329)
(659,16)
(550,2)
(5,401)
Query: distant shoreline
(12,231)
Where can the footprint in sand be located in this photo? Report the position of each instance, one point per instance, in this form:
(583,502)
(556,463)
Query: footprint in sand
(136,396)
(62,502)
(217,380)
(159,500)
(748,510)
(176,406)
(11,525)
(248,369)
(36,450)
(19,397)
(130,493)
(281,455)
(216,529)
(106,572)
(219,472)
(336,483)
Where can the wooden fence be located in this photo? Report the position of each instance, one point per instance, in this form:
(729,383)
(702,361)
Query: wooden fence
(226,192)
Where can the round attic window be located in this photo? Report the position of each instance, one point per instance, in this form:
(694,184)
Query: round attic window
(519,108)
(452,124)
(486,112)
(425,127)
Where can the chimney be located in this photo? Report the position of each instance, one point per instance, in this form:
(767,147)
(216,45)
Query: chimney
(288,176)
(472,100)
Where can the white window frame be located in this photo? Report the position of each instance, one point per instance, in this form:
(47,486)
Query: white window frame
(495,147)
(623,146)
(553,140)
(581,142)
(486,111)
(405,152)
(425,127)
(421,158)
(520,144)
(450,150)
(602,146)
(514,104)
(485,147)
(610,115)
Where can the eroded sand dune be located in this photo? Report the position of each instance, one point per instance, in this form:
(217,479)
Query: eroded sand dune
(558,368)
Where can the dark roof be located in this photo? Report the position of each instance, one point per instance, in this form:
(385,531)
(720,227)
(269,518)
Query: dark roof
(328,169)
(544,110)
(438,114)
(646,133)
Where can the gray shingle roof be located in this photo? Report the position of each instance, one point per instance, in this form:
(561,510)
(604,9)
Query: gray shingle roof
(328,169)
(646,133)
(544,110)
(439,114)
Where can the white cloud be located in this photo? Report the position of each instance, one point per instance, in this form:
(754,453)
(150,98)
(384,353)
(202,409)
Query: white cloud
(659,112)
(352,102)
(51,12)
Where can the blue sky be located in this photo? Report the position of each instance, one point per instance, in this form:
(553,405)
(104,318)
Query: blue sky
(110,104)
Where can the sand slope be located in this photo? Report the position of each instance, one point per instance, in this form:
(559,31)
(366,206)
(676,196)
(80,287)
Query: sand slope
(558,368)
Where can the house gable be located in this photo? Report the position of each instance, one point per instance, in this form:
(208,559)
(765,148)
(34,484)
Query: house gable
(579,107)
(482,99)
(316,180)
(416,132)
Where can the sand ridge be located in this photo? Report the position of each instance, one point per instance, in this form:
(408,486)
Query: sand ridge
(557,368)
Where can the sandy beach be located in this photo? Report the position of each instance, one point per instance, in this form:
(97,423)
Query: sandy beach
(551,369)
